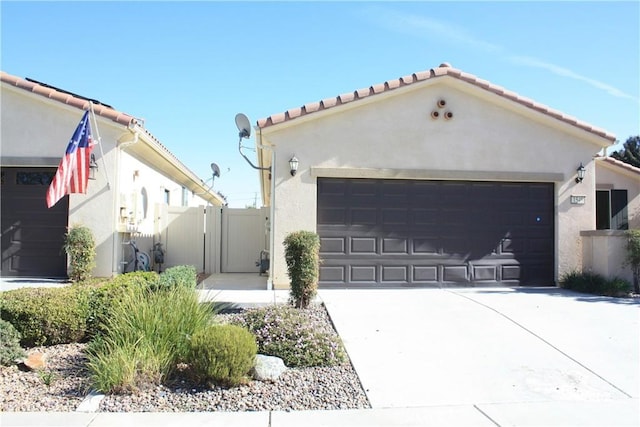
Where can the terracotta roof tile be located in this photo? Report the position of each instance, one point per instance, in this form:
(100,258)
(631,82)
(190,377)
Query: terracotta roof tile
(346,97)
(66,98)
(443,70)
(362,93)
(378,88)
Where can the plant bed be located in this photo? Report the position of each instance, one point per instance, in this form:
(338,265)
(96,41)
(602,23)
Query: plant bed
(335,387)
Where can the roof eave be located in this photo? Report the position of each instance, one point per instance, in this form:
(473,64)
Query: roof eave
(150,151)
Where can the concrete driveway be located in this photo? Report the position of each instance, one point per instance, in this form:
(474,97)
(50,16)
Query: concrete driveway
(514,349)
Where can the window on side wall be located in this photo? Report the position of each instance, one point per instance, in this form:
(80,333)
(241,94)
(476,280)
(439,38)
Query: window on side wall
(167,198)
(611,210)
(185,197)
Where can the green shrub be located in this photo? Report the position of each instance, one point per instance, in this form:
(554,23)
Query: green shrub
(222,354)
(47,316)
(80,247)
(593,283)
(10,349)
(104,296)
(302,254)
(145,337)
(285,332)
(181,275)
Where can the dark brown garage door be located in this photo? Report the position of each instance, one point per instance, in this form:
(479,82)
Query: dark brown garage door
(400,232)
(32,235)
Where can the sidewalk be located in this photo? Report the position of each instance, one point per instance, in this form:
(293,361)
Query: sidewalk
(548,414)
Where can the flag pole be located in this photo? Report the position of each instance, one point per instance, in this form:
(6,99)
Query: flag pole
(95,124)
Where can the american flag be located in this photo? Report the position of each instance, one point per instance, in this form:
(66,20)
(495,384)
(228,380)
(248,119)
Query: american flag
(73,171)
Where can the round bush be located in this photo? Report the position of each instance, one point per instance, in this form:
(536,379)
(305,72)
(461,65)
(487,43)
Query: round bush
(178,276)
(222,354)
(285,332)
(10,349)
(47,316)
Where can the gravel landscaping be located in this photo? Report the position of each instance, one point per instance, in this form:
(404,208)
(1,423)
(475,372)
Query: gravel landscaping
(63,385)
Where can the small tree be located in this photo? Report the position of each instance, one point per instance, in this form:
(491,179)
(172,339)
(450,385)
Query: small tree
(630,152)
(302,254)
(633,257)
(80,247)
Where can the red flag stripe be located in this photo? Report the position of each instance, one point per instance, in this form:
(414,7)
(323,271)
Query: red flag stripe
(72,175)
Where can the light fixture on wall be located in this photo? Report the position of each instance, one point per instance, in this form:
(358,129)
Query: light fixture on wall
(293,165)
(93,166)
(581,170)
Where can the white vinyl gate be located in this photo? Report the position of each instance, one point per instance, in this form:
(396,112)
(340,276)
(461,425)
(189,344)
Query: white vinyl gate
(214,240)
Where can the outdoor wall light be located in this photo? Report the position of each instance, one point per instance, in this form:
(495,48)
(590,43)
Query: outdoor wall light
(293,165)
(581,170)
(93,167)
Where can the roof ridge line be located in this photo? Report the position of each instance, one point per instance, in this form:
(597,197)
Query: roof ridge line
(443,69)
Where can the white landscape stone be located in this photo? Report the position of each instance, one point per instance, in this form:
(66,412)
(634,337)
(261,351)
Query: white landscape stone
(268,368)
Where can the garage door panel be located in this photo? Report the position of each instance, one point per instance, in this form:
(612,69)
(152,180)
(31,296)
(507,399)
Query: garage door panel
(362,188)
(426,245)
(433,232)
(394,217)
(363,273)
(332,187)
(485,273)
(396,274)
(333,274)
(454,217)
(363,245)
(395,246)
(425,274)
(364,216)
(455,273)
(424,217)
(329,216)
(332,245)
(538,246)
(510,272)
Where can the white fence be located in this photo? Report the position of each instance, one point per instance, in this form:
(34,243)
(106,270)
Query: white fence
(214,240)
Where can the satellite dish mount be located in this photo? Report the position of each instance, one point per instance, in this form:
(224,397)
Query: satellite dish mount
(244,131)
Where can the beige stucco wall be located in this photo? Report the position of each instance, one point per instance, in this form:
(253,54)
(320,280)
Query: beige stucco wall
(393,135)
(36,131)
(604,252)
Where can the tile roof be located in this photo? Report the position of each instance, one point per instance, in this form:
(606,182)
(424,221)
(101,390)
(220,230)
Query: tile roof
(68,98)
(443,70)
(619,163)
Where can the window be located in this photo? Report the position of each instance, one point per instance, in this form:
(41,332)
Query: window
(185,197)
(167,198)
(611,210)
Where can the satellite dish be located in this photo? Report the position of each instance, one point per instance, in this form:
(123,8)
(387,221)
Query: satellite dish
(244,131)
(244,127)
(215,169)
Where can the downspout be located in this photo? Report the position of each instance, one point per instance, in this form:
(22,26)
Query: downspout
(272,197)
(117,249)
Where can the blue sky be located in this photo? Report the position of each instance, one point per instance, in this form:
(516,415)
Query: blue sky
(188,68)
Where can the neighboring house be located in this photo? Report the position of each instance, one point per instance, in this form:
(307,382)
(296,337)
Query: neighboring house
(438,178)
(136,181)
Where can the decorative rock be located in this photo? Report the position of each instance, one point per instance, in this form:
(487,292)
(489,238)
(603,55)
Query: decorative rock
(35,361)
(268,368)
